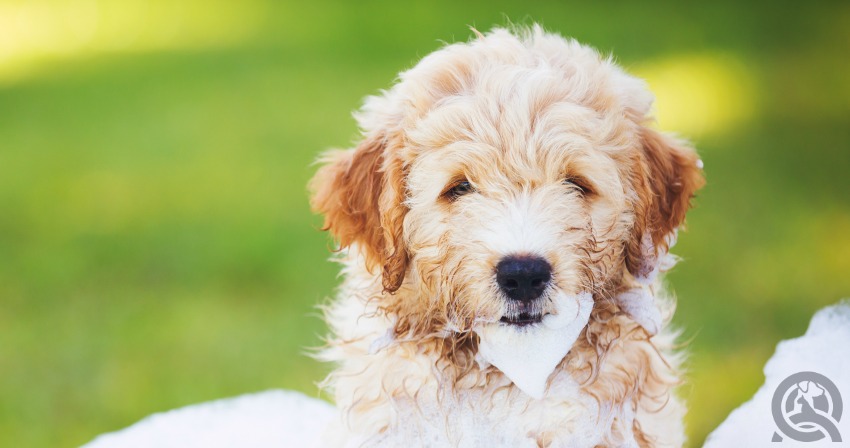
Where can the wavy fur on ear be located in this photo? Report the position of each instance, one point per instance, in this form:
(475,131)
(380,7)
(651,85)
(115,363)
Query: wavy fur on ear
(669,175)
(360,191)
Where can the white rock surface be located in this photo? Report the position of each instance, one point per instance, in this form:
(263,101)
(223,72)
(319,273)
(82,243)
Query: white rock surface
(825,349)
(269,419)
(528,355)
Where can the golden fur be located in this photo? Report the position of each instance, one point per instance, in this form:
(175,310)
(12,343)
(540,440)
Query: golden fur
(515,114)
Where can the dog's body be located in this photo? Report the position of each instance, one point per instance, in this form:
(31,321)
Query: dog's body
(495,177)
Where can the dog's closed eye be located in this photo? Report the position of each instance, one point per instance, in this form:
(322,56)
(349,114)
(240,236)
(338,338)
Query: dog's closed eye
(579,184)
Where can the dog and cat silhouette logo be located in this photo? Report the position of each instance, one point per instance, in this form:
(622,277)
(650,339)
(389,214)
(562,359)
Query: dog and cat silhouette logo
(807,408)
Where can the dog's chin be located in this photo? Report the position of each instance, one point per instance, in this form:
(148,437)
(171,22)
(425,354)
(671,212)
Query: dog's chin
(527,344)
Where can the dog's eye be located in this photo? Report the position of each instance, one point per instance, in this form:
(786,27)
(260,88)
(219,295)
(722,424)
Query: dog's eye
(580,184)
(458,189)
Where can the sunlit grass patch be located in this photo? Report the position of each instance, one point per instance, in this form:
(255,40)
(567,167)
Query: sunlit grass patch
(36,32)
(699,94)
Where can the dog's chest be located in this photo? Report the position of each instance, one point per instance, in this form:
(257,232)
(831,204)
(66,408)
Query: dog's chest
(496,416)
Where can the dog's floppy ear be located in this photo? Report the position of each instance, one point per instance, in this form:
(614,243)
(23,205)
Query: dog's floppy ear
(667,176)
(360,192)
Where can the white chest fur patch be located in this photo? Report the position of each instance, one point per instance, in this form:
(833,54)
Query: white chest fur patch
(528,355)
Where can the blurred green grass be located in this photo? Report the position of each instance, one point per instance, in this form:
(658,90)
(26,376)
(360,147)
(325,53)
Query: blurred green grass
(157,248)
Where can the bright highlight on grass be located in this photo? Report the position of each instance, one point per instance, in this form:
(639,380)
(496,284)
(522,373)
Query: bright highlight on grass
(38,35)
(698,94)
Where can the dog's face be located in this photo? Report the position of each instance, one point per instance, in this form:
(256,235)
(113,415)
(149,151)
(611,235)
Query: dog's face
(499,173)
(513,208)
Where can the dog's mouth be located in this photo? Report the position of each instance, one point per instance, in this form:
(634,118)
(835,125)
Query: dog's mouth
(522,319)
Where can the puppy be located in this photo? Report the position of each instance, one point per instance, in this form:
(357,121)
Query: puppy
(501,225)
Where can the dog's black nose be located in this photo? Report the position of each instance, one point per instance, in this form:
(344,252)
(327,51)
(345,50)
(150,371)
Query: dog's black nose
(523,278)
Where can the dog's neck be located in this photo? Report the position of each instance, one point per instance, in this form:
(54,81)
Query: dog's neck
(602,392)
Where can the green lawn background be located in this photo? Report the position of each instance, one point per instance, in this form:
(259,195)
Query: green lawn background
(157,250)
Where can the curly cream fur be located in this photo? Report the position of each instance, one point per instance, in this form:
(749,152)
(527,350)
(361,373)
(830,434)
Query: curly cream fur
(514,113)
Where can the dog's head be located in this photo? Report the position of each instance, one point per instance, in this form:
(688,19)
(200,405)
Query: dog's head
(499,172)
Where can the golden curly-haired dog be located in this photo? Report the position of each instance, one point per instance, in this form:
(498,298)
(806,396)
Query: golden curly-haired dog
(494,178)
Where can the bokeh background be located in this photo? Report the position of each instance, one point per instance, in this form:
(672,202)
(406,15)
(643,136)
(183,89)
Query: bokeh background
(156,246)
